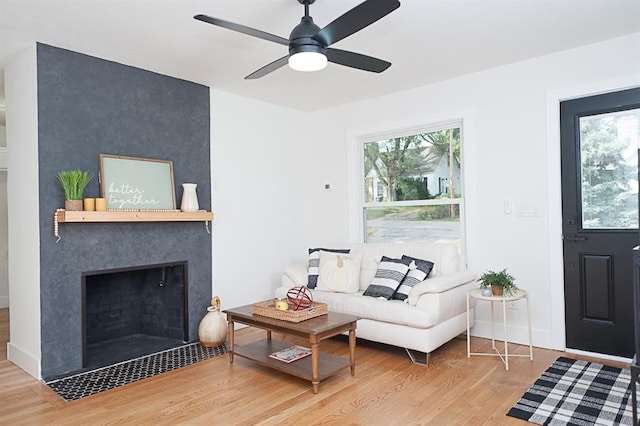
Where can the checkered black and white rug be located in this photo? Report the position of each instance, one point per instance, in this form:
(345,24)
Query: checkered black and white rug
(573,392)
(91,382)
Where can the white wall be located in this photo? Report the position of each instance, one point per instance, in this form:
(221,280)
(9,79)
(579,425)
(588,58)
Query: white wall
(4,248)
(269,165)
(260,191)
(509,154)
(4,224)
(24,241)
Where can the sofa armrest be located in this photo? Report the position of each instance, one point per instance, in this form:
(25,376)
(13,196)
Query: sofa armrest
(439,284)
(295,274)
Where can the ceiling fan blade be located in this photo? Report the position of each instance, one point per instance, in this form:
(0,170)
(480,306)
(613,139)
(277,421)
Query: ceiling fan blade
(242,29)
(354,20)
(278,63)
(357,60)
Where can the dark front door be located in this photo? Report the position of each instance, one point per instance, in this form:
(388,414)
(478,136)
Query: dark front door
(599,139)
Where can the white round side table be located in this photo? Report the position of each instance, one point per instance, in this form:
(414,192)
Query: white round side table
(504,356)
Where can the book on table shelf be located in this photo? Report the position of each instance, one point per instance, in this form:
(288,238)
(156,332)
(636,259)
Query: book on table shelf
(290,354)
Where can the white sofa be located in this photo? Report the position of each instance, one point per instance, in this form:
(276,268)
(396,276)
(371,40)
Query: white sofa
(433,314)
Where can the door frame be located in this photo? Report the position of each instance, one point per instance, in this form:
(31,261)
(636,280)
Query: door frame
(554,190)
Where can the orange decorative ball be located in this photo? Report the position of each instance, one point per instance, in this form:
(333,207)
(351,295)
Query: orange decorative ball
(299,298)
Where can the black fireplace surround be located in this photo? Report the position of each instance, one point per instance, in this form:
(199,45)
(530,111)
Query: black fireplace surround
(88,106)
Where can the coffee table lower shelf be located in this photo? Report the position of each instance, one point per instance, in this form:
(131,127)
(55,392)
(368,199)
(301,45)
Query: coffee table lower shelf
(315,367)
(259,351)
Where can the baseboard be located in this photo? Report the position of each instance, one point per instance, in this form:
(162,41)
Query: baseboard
(24,360)
(4,302)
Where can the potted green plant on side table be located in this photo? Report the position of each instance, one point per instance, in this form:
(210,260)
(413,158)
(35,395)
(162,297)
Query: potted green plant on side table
(499,282)
(73,183)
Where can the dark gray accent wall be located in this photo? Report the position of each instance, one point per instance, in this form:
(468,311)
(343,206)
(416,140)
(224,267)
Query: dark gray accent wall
(88,106)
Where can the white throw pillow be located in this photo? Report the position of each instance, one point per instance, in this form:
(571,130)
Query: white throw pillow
(314,263)
(339,272)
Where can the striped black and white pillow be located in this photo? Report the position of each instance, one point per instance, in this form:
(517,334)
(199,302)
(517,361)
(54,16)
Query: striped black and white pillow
(314,263)
(388,277)
(419,270)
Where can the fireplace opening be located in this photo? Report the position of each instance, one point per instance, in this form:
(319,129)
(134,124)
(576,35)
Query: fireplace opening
(134,311)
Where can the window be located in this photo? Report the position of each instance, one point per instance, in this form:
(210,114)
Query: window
(412,186)
(609,169)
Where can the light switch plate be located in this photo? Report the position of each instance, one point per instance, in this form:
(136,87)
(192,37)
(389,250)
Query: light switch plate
(507,207)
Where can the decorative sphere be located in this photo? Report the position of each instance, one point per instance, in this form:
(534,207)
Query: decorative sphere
(299,298)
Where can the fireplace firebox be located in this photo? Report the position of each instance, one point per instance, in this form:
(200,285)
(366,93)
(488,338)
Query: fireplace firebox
(133,311)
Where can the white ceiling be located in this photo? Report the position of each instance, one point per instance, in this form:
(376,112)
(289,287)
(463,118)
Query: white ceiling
(426,40)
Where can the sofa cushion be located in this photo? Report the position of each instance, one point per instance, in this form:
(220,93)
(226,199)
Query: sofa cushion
(339,272)
(419,270)
(389,275)
(314,263)
(389,311)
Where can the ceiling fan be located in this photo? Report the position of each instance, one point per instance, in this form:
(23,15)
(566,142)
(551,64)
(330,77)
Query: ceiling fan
(309,45)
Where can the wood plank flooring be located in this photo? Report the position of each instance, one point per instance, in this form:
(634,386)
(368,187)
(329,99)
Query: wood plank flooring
(387,390)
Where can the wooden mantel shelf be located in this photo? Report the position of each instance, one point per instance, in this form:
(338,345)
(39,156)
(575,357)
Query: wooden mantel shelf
(64,216)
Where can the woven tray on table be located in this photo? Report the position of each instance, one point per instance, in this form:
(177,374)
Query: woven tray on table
(267,308)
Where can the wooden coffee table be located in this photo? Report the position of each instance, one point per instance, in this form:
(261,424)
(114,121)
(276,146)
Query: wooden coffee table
(318,366)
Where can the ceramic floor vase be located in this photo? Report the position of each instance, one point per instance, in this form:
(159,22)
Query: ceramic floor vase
(213,327)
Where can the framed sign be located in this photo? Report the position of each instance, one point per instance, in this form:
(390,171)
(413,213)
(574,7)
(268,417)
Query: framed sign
(137,183)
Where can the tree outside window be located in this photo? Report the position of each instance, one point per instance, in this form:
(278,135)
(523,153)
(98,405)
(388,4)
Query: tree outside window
(412,187)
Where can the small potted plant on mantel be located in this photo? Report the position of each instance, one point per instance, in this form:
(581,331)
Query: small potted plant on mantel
(499,282)
(73,183)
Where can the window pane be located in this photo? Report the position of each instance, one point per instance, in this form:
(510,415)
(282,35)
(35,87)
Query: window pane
(609,168)
(417,167)
(426,224)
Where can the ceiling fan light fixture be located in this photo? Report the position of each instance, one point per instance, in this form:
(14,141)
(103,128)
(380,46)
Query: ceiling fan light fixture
(307,61)
(309,45)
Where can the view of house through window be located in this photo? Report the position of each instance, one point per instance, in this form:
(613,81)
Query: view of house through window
(412,187)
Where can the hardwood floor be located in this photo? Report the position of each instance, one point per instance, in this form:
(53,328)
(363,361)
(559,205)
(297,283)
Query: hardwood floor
(387,390)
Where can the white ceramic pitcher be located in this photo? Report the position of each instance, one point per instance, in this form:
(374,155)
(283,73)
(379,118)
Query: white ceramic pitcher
(189,198)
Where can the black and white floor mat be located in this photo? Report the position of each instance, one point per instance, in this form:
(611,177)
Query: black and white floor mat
(573,392)
(91,382)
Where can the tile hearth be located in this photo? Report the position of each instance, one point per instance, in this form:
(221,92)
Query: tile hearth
(95,381)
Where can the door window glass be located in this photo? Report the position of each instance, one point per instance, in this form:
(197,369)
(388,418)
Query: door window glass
(609,170)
